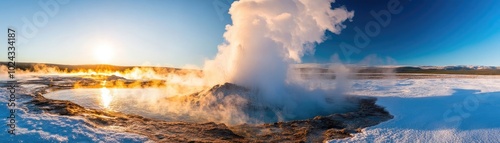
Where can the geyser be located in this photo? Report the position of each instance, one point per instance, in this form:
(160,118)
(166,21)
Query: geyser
(265,38)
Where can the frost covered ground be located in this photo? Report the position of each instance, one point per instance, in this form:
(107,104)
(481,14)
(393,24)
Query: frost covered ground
(434,110)
(50,128)
(461,109)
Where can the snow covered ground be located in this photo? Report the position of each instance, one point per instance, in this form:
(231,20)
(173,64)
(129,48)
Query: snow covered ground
(434,110)
(425,110)
(49,128)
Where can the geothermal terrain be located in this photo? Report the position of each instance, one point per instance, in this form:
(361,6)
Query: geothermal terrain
(377,105)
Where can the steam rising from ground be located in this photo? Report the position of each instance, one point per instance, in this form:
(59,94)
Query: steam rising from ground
(265,39)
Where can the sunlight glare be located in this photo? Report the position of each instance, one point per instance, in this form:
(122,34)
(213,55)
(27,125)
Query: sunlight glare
(106,96)
(103,53)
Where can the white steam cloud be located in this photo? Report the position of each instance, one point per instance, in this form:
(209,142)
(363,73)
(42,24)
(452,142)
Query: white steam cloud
(266,37)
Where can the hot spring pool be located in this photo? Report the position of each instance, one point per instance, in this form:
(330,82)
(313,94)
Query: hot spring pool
(224,108)
(138,101)
(146,102)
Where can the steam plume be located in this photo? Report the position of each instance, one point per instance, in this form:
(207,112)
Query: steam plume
(266,37)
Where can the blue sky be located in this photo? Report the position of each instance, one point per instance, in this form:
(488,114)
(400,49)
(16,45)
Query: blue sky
(186,32)
(425,32)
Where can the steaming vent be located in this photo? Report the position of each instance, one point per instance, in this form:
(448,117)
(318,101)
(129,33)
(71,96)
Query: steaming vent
(237,104)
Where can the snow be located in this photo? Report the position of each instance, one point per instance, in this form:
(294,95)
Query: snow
(49,128)
(433,110)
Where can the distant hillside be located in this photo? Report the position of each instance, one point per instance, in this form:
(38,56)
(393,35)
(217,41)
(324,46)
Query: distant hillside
(469,70)
(96,67)
(307,69)
(450,70)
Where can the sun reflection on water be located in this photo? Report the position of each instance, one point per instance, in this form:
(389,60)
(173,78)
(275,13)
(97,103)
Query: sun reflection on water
(106,96)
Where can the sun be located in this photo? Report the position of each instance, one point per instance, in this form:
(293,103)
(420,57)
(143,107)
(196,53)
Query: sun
(103,53)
